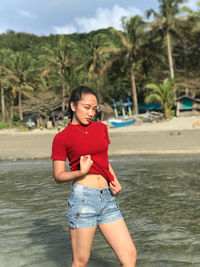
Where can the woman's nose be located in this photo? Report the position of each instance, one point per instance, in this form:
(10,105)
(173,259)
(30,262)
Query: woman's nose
(91,112)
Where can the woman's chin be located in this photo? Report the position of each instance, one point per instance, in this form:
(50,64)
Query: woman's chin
(85,122)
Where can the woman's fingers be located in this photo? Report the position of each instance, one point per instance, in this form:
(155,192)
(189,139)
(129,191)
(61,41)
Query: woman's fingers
(115,187)
(86,157)
(85,163)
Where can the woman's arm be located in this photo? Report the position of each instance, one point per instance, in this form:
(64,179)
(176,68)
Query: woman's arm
(60,175)
(115,186)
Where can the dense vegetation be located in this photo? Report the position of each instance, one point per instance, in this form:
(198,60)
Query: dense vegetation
(117,64)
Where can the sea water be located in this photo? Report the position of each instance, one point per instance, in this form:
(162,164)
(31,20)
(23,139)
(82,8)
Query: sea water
(160,202)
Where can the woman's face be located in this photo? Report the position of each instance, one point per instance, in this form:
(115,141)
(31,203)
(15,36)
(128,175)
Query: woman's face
(84,110)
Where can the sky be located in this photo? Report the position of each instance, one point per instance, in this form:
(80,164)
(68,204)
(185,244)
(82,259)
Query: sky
(44,17)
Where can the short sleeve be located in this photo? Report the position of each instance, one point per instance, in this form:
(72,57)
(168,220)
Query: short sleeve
(59,150)
(106,134)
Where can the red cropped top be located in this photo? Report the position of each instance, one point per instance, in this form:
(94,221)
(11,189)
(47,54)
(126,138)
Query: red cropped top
(77,140)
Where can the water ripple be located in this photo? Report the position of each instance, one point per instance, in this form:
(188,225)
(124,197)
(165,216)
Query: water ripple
(159,201)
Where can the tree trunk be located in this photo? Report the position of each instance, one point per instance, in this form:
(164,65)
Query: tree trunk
(170,59)
(98,90)
(20,104)
(12,108)
(3,111)
(134,91)
(63,90)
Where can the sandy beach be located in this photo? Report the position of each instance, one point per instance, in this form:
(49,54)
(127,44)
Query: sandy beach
(175,136)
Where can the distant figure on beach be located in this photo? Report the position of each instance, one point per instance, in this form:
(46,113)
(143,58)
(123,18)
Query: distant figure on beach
(91,203)
(30,124)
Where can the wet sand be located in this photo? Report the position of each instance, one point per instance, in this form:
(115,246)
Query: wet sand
(177,136)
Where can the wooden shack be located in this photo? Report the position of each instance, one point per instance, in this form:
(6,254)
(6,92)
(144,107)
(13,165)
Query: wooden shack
(45,109)
(187,106)
(41,107)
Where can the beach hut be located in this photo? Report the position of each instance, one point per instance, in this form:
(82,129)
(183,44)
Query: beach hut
(187,106)
(104,112)
(44,109)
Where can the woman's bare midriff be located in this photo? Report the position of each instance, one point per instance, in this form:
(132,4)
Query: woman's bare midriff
(92,180)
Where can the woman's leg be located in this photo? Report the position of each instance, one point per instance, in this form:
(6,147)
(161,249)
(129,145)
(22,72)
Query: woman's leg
(117,235)
(81,240)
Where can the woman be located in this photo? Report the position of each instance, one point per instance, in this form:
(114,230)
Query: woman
(91,202)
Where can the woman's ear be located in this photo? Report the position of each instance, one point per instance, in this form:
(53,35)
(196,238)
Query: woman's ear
(72,105)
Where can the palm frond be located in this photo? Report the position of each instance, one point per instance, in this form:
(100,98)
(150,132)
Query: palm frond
(53,60)
(45,72)
(153,98)
(152,86)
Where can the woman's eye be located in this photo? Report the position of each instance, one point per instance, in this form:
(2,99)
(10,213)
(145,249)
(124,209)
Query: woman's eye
(88,108)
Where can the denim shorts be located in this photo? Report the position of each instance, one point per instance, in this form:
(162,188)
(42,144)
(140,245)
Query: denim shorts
(88,207)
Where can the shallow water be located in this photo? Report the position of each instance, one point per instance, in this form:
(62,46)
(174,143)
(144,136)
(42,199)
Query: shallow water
(160,202)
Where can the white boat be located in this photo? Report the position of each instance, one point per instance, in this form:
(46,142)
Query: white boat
(120,122)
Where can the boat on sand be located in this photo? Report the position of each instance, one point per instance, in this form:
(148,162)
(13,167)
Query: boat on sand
(120,122)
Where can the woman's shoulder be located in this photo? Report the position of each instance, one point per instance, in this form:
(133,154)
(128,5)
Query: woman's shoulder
(99,124)
(63,133)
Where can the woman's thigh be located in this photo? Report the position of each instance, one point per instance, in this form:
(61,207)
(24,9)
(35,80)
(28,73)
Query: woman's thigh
(81,240)
(118,236)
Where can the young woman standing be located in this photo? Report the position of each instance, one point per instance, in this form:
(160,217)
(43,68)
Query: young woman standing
(91,202)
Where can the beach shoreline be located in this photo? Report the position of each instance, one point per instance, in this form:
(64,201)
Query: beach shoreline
(176,136)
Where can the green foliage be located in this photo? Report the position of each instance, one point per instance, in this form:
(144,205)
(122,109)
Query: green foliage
(3,125)
(13,124)
(16,124)
(162,93)
(107,60)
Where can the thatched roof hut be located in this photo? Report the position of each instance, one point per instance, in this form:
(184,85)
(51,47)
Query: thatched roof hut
(40,107)
(106,111)
(46,106)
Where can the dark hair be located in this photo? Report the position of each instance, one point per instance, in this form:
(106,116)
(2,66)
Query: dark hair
(76,96)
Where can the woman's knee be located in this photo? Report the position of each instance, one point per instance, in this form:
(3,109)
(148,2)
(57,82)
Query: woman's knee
(129,258)
(134,255)
(80,261)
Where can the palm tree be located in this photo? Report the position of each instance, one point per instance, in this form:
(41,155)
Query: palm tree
(132,40)
(101,49)
(163,93)
(166,21)
(193,14)
(60,58)
(5,57)
(187,47)
(23,77)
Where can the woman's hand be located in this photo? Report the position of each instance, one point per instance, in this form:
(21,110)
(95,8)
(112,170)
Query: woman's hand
(85,164)
(115,187)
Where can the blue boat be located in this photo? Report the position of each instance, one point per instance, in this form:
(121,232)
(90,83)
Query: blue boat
(121,122)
